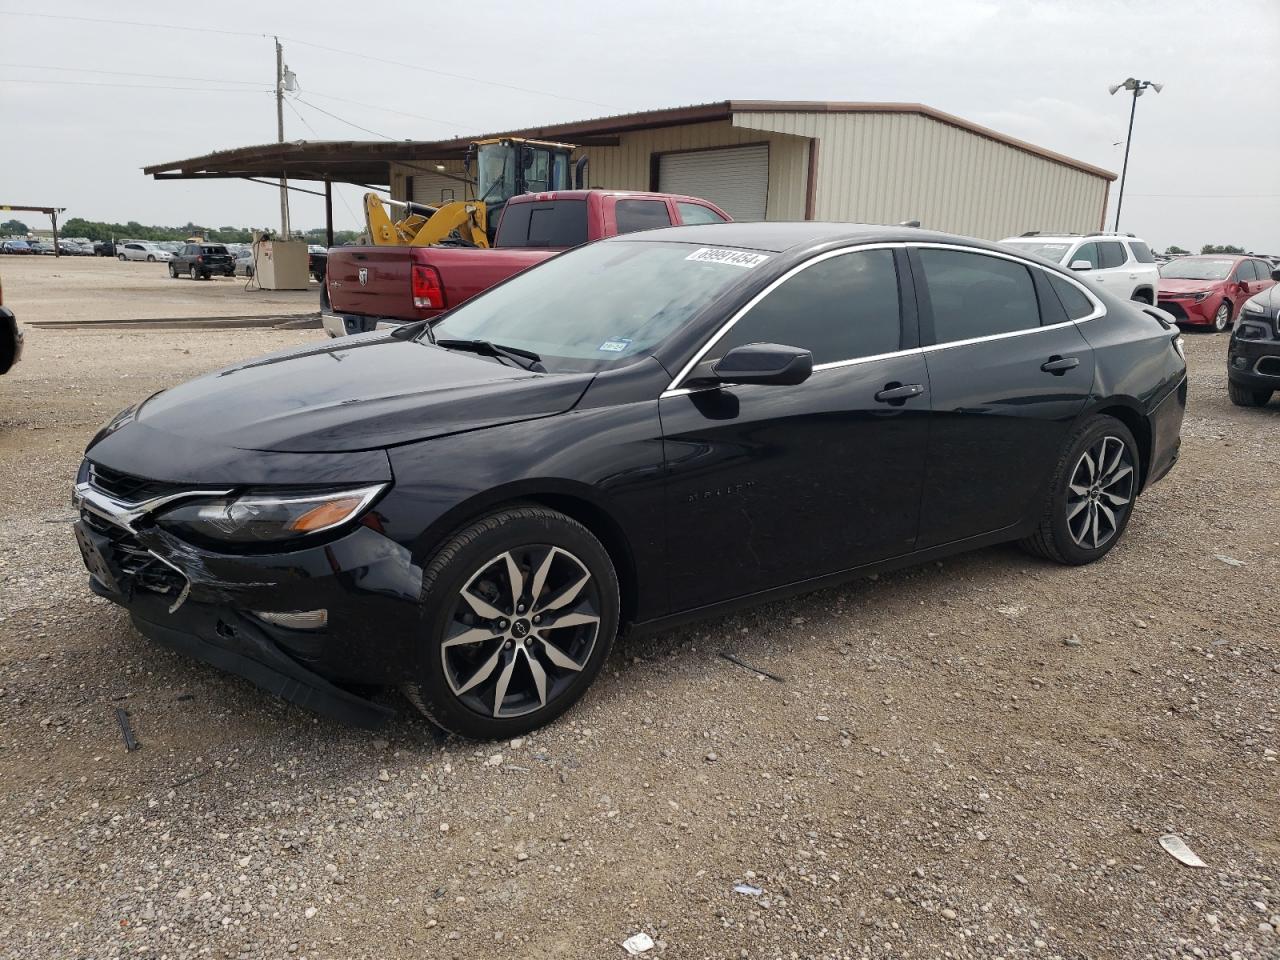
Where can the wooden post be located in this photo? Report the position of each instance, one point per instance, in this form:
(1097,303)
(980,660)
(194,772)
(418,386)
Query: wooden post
(328,212)
(53,215)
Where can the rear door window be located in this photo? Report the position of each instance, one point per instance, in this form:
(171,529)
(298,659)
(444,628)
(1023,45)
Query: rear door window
(697,213)
(1141,252)
(1111,253)
(975,295)
(1245,271)
(558,223)
(633,215)
(842,308)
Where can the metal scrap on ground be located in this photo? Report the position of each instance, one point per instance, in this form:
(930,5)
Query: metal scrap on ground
(130,741)
(733,658)
(1177,848)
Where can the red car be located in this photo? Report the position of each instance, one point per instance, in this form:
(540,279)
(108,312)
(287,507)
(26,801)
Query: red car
(1209,290)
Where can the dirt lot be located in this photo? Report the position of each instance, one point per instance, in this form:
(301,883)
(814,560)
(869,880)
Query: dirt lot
(971,759)
(103,288)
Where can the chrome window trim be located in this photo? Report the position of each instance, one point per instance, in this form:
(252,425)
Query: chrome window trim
(673,390)
(1099,310)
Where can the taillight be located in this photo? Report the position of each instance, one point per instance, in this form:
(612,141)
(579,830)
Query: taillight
(199,259)
(428,291)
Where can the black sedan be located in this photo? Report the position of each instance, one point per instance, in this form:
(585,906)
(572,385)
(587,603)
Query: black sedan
(1253,358)
(639,431)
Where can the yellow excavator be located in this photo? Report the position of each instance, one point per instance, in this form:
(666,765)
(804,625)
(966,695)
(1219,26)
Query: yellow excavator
(505,167)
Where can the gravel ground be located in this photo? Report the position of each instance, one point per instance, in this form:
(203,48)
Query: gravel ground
(102,288)
(975,758)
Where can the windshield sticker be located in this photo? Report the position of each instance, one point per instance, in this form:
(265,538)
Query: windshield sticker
(614,346)
(737,258)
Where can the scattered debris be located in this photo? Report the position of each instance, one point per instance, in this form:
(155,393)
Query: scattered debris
(640,943)
(1177,848)
(185,696)
(130,741)
(1012,609)
(734,658)
(1072,641)
(747,890)
(1229,561)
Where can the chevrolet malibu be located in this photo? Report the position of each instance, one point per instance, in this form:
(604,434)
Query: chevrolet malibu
(643,430)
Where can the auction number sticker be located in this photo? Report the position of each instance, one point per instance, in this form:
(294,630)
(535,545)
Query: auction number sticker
(736,258)
(616,345)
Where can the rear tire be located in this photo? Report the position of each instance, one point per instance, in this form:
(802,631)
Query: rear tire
(495,665)
(193,273)
(1243,396)
(1090,496)
(173,271)
(1141,296)
(120,257)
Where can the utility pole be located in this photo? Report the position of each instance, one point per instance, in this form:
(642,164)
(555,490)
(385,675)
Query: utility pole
(284,183)
(1137,86)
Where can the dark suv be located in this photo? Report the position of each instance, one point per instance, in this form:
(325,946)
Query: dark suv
(1253,359)
(200,261)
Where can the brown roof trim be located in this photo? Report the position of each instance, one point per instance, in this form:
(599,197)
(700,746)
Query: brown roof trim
(823,106)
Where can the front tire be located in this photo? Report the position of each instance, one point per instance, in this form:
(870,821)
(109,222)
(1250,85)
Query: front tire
(1222,319)
(1243,396)
(150,259)
(519,611)
(1090,496)
(173,271)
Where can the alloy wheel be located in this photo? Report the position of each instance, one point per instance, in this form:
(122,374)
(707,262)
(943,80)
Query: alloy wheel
(1222,319)
(1100,492)
(523,627)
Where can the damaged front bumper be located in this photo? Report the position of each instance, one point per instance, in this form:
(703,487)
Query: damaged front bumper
(211,605)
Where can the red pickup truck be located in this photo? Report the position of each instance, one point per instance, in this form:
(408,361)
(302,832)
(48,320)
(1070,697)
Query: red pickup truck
(368,286)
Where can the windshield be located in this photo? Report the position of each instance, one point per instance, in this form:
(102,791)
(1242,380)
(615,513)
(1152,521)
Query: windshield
(601,305)
(1050,251)
(1194,268)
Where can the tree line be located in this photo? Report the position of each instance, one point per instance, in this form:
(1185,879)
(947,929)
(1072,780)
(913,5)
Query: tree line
(98,230)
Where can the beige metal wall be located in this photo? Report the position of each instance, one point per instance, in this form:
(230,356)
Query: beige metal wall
(627,166)
(425,171)
(890,167)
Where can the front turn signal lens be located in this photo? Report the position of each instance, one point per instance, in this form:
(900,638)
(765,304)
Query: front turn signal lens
(326,515)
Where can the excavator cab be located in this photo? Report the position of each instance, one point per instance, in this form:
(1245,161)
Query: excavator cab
(504,167)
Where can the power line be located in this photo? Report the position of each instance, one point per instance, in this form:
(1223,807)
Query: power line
(443,73)
(317,46)
(381,136)
(1209,196)
(403,113)
(123,73)
(133,23)
(130,86)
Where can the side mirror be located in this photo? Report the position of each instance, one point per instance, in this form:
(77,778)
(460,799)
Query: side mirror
(764,363)
(1275,275)
(1081,265)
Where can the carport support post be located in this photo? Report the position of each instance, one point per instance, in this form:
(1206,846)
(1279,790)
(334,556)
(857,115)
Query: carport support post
(53,216)
(328,212)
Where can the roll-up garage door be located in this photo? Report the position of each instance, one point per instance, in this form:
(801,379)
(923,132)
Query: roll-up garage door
(433,190)
(735,179)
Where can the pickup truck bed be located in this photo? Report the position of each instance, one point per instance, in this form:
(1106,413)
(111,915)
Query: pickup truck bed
(370,286)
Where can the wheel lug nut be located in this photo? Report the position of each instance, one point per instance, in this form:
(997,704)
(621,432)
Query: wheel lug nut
(538,618)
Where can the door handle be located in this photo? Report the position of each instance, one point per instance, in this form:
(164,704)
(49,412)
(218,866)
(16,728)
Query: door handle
(1059,365)
(899,392)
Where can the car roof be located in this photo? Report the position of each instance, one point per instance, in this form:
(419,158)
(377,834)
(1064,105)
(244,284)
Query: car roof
(777,236)
(546,195)
(1071,238)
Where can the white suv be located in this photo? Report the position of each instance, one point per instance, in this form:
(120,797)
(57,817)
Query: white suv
(1119,263)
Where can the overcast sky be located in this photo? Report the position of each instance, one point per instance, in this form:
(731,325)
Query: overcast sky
(1205,165)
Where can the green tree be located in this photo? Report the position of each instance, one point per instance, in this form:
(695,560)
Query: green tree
(1174,248)
(14,226)
(1220,248)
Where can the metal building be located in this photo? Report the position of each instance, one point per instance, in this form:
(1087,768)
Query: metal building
(866,162)
(774,160)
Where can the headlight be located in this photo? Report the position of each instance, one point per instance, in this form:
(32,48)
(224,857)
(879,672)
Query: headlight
(261,517)
(1202,295)
(1255,307)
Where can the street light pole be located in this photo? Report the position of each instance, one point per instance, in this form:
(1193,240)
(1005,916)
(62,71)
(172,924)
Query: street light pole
(1137,86)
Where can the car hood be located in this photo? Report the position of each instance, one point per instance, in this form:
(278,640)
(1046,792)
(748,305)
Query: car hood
(360,393)
(1187,286)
